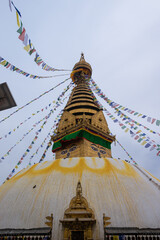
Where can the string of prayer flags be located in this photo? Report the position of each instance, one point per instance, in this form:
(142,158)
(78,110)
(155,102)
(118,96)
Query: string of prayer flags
(12,68)
(125,117)
(8,152)
(113,104)
(28,45)
(140,137)
(33,141)
(30,146)
(43,109)
(126,152)
(58,103)
(124,126)
(44,154)
(50,142)
(34,99)
(42,144)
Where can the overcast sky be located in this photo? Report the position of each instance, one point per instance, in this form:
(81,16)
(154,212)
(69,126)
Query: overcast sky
(121,41)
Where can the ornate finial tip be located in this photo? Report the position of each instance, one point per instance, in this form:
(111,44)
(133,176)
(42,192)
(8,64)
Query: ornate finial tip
(82,56)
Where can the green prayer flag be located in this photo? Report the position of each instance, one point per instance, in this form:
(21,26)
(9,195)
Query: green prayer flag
(20,29)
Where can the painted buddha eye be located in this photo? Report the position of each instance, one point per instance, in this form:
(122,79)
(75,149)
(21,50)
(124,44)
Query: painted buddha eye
(102,151)
(64,151)
(94,148)
(73,148)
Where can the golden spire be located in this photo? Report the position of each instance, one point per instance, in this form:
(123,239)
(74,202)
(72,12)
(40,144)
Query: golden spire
(82,130)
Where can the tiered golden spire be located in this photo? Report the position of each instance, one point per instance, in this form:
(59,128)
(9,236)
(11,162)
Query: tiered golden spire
(82,130)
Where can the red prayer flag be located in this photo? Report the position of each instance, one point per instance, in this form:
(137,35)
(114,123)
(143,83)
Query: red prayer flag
(22,35)
(158,154)
(153,120)
(39,63)
(32,51)
(8,65)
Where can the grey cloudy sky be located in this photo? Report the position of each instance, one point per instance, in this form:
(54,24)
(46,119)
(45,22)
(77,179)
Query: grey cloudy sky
(121,41)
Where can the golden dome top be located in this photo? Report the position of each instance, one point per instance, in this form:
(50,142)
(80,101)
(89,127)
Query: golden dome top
(83,64)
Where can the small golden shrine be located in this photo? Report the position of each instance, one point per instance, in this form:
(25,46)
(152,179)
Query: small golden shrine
(78,219)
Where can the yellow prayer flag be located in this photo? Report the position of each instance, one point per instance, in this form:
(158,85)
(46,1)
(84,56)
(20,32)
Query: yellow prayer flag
(139,115)
(16,166)
(27,48)
(127,130)
(38,58)
(138,131)
(143,143)
(3,63)
(18,23)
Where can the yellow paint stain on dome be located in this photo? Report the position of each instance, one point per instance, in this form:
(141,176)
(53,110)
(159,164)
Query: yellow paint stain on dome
(78,165)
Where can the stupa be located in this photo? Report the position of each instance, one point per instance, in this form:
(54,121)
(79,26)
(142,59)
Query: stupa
(84,193)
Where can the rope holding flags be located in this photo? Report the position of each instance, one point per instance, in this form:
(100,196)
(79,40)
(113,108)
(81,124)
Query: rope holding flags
(58,103)
(34,99)
(30,147)
(28,45)
(43,109)
(42,144)
(126,152)
(96,89)
(12,68)
(141,138)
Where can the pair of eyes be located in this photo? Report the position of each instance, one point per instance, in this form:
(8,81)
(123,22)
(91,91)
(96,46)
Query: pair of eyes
(70,150)
(97,150)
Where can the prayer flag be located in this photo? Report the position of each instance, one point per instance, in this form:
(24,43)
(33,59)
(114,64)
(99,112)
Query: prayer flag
(25,39)
(1,59)
(3,63)
(17,19)
(8,65)
(158,154)
(143,143)
(30,44)
(32,51)
(136,137)
(36,57)
(20,29)
(39,63)
(153,120)
(22,35)
(10,5)
(158,122)
(147,145)
(140,140)
(149,119)
(27,48)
